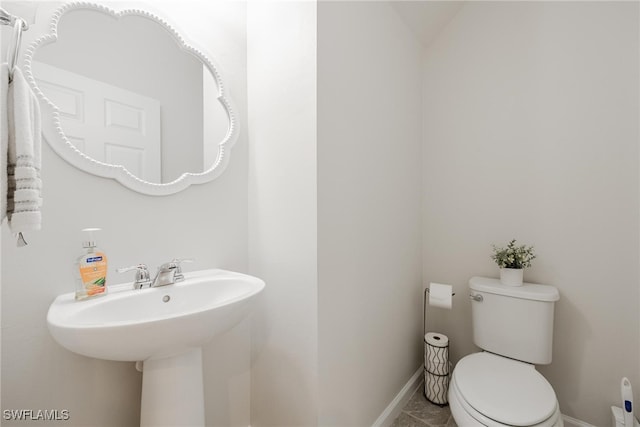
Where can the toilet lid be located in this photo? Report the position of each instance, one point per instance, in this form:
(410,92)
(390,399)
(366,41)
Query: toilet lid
(505,390)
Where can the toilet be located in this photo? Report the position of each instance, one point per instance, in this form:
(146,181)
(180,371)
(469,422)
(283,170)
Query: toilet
(500,386)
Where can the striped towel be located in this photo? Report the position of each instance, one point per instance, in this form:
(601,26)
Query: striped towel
(23,184)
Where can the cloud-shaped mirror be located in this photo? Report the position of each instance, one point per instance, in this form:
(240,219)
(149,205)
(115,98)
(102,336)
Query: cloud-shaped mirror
(124,96)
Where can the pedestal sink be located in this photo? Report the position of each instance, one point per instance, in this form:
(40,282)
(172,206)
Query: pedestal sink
(165,328)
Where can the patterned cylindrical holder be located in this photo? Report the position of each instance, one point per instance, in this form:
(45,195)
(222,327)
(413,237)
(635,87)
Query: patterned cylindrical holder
(436,368)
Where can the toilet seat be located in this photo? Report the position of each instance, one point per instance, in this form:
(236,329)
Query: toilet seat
(498,391)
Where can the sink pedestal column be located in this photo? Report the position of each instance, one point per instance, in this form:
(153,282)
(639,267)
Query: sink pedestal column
(172,391)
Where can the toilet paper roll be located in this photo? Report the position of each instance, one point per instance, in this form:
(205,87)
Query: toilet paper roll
(437,340)
(436,387)
(437,368)
(440,295)
(436,353)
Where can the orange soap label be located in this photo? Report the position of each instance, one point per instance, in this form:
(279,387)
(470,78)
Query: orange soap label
(93,273)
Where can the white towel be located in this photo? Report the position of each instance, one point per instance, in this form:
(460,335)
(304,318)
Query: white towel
(4,139)
(24,140)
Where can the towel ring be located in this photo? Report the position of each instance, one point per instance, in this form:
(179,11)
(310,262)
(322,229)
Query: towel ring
(12,55)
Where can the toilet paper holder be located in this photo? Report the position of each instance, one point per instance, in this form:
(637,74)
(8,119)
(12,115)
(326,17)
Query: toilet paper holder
(436,383)
(424,310)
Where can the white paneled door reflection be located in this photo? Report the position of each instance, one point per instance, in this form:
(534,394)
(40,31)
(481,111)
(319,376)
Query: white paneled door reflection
(122,128)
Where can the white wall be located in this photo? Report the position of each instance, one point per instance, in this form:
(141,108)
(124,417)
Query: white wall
(369,209)
(531,132)
(281,50)
(207,222)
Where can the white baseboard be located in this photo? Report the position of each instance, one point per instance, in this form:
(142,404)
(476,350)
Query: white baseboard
(393,410)
(572,422)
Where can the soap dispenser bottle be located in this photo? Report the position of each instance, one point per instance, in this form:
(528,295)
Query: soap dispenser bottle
(91,269)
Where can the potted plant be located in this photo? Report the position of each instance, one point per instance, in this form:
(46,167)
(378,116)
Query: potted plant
(512,261)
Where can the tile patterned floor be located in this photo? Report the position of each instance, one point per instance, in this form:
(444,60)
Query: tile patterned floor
(419,412)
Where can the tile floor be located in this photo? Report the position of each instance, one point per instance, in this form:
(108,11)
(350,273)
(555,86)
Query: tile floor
(419,412)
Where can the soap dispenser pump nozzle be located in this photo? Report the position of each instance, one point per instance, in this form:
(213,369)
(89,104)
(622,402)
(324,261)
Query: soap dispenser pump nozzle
(90,242)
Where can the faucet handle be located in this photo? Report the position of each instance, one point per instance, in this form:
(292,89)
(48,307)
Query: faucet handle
(177,262)
(142,275)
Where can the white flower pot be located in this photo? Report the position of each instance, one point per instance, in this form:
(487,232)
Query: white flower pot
(511,276)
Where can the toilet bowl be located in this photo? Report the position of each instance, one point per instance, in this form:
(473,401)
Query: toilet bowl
(491,390)
(500,386)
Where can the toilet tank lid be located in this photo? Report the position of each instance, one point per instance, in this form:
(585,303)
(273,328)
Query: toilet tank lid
(530,291)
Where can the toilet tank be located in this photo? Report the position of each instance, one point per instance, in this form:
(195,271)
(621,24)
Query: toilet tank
(513,321)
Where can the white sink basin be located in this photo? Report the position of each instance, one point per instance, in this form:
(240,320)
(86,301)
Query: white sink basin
(133,325)
(165,327)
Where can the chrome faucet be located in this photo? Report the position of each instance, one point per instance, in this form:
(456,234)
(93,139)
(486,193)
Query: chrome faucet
(143,279)
(170,272)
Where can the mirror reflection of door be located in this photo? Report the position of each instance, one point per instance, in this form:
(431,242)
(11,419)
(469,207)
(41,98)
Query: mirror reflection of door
(106,123)
(137,63)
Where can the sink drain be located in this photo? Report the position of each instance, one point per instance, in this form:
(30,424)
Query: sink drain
(166,298)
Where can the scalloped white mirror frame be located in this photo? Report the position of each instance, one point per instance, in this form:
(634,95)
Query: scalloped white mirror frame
(57,139)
